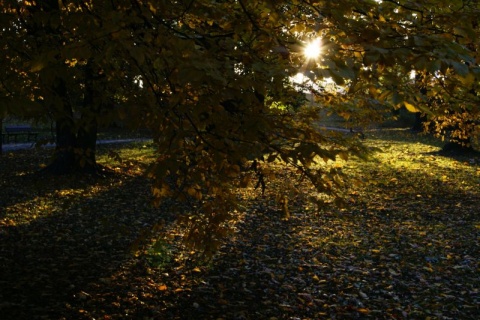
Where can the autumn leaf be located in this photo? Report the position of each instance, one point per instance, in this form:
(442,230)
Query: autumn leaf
(410,107)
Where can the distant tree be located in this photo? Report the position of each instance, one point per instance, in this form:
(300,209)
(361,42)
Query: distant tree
(213,80)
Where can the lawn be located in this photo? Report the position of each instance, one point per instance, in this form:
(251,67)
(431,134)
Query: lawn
(405,247)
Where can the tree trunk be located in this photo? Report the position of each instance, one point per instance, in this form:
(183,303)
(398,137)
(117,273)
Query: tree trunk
(75,149)
(64,155)
(86,146)
(74,152)
(87,132)
(1,136)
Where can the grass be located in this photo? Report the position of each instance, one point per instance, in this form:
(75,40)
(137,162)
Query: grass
(406,247)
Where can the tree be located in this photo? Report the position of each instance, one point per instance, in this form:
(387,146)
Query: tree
(447,103)
(216,85)
(237,50)
(56,55)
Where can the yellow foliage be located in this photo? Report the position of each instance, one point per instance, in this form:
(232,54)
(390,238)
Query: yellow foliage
(410,107)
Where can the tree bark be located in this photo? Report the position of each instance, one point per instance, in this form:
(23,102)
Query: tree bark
(1,136)
(63,160)
(64,155)
(75,149)
(87,132)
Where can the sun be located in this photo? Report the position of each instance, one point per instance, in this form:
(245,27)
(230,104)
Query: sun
(313,49)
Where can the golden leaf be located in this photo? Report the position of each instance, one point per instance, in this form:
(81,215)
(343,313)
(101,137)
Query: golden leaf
(410,107)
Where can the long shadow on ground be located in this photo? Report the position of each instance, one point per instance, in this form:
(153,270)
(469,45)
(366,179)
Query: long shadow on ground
(48,261)
(408,256)
(373,264)
(401,253)
(405,252)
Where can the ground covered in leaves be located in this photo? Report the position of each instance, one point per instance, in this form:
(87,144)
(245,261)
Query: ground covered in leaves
(407,247)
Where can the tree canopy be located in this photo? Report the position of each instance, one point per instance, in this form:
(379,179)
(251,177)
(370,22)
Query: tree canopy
(213,80)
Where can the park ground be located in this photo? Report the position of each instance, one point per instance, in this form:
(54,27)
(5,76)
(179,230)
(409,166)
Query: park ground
(405,247)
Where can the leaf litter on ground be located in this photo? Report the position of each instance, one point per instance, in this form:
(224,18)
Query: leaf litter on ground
(406,247)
